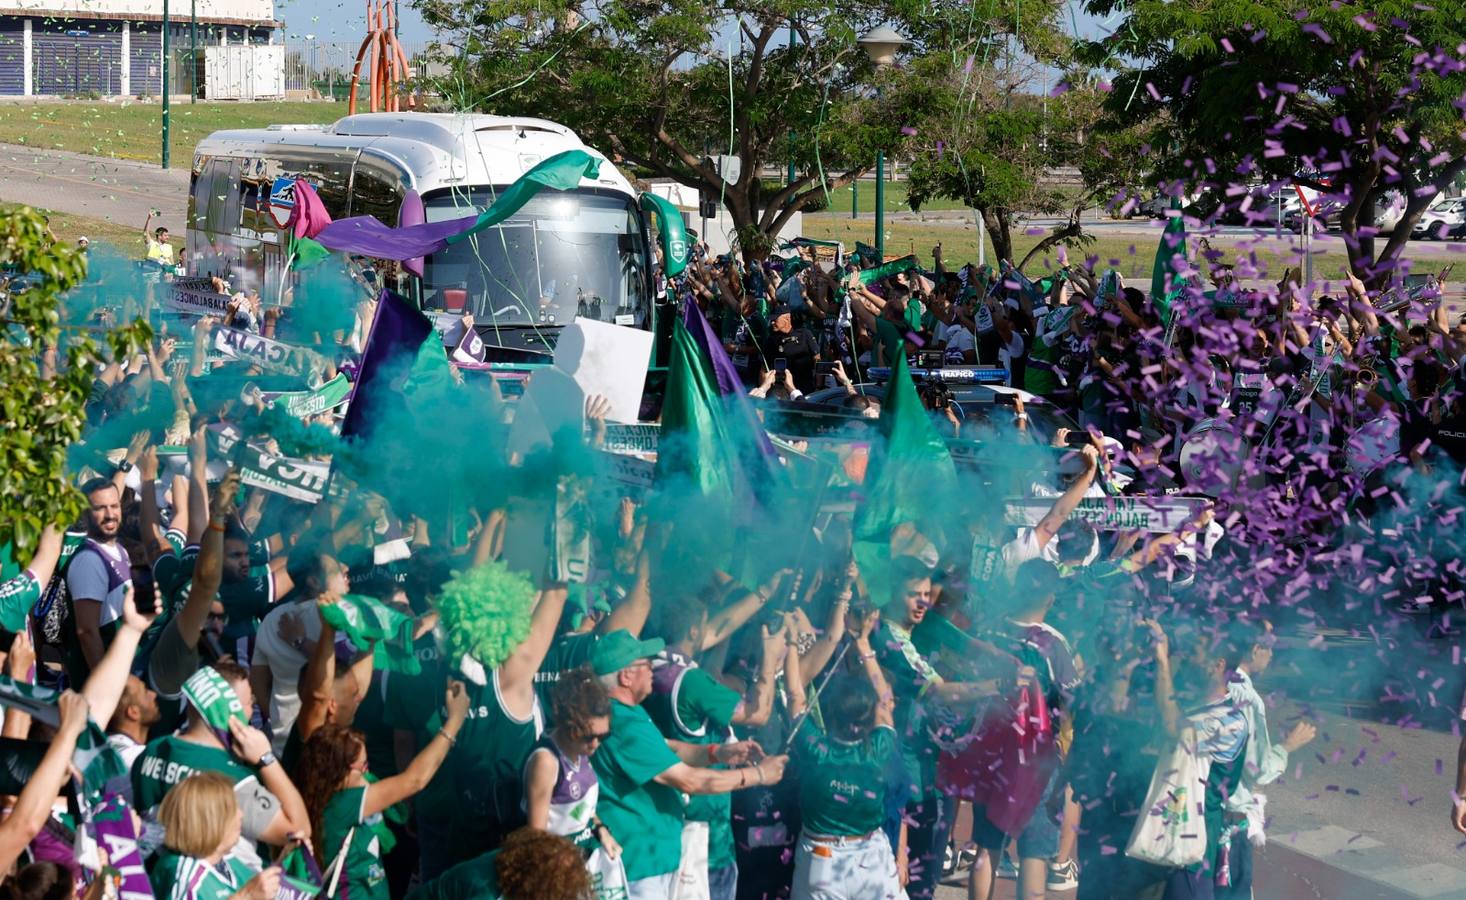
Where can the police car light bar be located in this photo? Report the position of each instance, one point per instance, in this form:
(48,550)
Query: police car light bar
(950,375)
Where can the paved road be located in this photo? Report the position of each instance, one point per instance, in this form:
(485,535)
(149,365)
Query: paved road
(114,190)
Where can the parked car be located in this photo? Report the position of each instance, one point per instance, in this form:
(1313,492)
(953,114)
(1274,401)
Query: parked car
(1442,219)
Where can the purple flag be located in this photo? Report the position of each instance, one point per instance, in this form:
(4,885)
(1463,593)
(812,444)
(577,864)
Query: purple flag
(112,828)
(398,330)
(702,333)
(366,236)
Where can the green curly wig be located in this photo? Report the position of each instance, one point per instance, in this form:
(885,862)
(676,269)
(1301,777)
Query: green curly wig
(486,612)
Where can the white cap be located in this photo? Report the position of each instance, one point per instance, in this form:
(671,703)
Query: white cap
(83,240)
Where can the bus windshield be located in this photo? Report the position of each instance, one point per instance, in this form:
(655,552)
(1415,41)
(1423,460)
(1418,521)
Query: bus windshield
(565,254)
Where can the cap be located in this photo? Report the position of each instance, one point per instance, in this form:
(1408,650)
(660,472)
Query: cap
(83,240)
(619,649)
(781,310)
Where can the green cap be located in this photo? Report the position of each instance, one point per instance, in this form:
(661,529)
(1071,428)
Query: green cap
(619,649)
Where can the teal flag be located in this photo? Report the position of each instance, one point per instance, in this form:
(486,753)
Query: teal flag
(1166,281)
(676,248)
(910,479)
(562,172)
(367,620)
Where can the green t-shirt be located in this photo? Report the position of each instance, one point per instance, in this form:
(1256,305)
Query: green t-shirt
(167,761)
(411,704)
(645,817)
(892,341)
(568,651)
(703,715)
(911,676)
(18,595)
(842,785)
(176,877)
(475,879)
(366,877)
(1040,376)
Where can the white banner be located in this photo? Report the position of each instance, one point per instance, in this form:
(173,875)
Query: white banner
(266,352)
(1154,514)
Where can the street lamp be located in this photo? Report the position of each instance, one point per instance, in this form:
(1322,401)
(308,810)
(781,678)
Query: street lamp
(881,44)
(166,61)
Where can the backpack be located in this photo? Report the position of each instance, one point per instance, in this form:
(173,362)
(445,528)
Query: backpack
(53,628)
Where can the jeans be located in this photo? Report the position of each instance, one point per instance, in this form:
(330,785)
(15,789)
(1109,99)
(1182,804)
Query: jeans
(723,883)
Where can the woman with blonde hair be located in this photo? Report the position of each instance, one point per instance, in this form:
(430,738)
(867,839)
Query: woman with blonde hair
(202,823)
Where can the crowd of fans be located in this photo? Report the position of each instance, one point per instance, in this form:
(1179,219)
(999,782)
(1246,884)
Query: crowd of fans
(1066,702)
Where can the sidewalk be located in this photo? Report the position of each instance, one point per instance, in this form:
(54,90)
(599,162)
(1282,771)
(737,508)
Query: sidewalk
(113,190)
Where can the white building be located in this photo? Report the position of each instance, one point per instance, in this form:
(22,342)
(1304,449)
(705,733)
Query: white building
(114,47)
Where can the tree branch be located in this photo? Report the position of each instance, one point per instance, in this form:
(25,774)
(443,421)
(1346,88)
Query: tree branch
(1071,230)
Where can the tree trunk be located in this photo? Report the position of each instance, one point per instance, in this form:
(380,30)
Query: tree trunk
(997,225)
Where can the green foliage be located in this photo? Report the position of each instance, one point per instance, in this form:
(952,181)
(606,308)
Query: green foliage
(659,84)
(1251,90)
(43,389)
(990,144)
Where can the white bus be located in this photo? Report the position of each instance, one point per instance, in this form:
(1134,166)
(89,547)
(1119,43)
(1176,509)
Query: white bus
(585,252)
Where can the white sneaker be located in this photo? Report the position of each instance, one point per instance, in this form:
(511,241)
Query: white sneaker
(1063,876)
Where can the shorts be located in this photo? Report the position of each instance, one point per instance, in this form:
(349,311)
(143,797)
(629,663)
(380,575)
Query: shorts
(1040,838)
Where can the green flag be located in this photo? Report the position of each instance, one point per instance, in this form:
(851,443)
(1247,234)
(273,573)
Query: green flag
(308,252)
(676,249)
(562,172)
(910,479)
(366,620)
(1166,281)
(696,446)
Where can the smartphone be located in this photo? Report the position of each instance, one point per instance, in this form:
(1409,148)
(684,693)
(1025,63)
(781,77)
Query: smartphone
(144,591)
(1077,439)
(781,364)
(824,368)
(1001,399)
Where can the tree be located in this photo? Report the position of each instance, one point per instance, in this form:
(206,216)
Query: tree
(1356,102)
(662,84)
(43,403)
(991,143)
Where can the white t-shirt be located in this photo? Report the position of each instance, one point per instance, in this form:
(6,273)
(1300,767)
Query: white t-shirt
(285,663)
(957,337)
(1025,547)
(1010,351)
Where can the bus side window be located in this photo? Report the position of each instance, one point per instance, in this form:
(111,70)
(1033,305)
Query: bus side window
(224,197)
(203,190)
(374,195)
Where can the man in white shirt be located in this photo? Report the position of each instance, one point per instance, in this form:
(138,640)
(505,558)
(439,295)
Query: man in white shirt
(286,637)
(1032,543)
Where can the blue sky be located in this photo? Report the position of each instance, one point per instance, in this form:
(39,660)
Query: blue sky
(343,22)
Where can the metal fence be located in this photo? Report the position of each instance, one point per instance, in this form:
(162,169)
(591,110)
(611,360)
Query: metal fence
(323,68)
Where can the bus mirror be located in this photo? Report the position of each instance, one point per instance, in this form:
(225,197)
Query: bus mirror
(412,212)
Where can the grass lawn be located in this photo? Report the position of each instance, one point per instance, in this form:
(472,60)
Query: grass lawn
(865,197)
(68,228)
(1132,254)
(132,129)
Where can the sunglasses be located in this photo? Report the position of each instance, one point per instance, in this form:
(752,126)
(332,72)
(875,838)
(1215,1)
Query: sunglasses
(598,737)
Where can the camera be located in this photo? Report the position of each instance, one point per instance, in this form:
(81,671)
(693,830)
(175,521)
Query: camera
(824,368)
